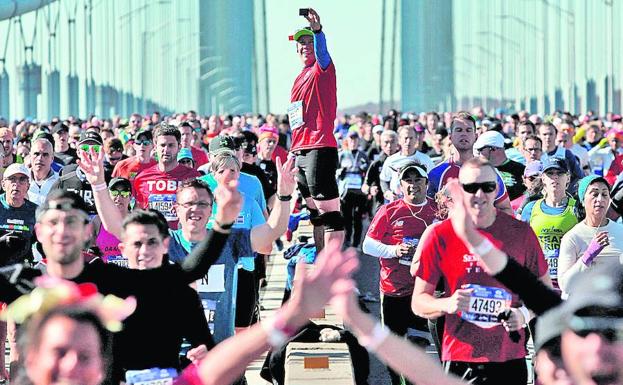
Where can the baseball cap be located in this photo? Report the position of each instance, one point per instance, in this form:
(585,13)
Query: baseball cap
(533,168)
(90,136)
(59,127)
(550,326)
(353,134)
(412,166)
(595,299)
(553,163)
(120,181)
(16,168)
(378,129)
(489,138)
(146,134)
(299,33)
(221,143)
(62,200)
(185,153)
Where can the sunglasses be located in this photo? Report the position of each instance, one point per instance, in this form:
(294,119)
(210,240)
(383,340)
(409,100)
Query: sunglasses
(115,149)
(145,142)
(124,194)
(610,329)
(186,161)
(486,187)
(87,147)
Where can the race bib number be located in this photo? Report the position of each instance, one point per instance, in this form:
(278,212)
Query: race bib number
(407,259)
(552,262)
(485,304)
(163,203)
(295,114)
(353,181)
(153,376)
(118,260)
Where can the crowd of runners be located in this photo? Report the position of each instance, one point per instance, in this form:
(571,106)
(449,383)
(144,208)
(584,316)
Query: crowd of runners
(133,249)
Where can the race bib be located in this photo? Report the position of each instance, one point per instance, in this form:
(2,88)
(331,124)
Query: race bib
(485,304)
(214,281)
(295,114)
(552,262)
(407,259)
(353,181)
(153,376)
(118,260)
(164,204)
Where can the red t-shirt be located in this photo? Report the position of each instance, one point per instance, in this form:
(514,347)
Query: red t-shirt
(394,223)
(444,256)
(199,156)
(129,168)
(316,89)
(156,189)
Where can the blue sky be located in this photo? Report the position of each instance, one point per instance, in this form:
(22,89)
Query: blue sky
(353,30)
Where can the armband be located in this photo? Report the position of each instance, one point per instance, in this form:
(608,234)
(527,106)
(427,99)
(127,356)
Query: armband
(483,248)
(373,341)
(284,198)
(99,187)
(527,316)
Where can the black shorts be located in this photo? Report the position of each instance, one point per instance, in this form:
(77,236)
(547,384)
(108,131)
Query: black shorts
(316,177)
(246,298)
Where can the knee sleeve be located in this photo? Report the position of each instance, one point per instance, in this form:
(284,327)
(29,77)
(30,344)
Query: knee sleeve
(314,217)
(332,221)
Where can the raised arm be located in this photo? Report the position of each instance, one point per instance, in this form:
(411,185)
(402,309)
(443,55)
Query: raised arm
(263,236)
(531,289)
(402,356)
(320,42)
(92,164)
(229,359)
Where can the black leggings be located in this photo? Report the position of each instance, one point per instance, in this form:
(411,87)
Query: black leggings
(513,372)
(354,206)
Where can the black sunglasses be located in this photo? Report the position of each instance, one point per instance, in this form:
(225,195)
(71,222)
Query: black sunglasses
(486,187)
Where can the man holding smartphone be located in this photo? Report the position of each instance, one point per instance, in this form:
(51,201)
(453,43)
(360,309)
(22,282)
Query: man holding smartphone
(312,109)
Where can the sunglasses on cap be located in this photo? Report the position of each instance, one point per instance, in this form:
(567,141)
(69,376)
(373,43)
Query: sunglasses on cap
(608,328)
(486,187)
(124,194)
(87,147)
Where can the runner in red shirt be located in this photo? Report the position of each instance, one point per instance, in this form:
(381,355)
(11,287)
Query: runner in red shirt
(393,236)
(156,187)
(129,168)
(475,343)
(313,104)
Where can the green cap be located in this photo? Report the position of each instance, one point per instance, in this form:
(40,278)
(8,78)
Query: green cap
(300,33)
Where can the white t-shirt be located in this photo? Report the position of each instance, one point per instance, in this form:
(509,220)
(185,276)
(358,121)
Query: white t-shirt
(581,153)
(575,242)
(391,166)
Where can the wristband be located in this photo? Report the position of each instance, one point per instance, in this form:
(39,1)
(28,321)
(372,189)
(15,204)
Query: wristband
(277,332)
(527,316)
(284,198)
(483,248)
(190,376)
(99,187)
(320,30)
(226,226)
(373,341)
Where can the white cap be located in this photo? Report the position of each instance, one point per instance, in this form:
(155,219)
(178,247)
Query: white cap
(489,138)
(378,128)
(16,168)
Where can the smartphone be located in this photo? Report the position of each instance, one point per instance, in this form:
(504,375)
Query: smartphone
(303,12)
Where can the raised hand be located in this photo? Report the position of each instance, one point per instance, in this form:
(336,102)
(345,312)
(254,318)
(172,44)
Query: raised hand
(286,176)
(462,223)
(314,20)
(229,202)
(330,276)
(92,163)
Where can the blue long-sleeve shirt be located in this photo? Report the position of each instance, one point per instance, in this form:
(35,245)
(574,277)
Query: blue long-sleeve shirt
(320,50)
